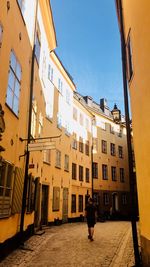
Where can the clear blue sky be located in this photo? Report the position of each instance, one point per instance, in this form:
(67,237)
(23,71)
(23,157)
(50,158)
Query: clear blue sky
(89,47)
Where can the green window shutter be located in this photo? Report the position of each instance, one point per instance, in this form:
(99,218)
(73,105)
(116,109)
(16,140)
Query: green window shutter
(56,198)
(17,190)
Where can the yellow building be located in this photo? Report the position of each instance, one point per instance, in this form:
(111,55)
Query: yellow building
(81,180)
(110,160)
(16,49)
(136,20)
(15,54)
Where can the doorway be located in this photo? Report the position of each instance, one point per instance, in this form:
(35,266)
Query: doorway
(115,203)
(44,206)
(65,205)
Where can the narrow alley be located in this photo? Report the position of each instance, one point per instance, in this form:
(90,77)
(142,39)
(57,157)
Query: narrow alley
(68,246)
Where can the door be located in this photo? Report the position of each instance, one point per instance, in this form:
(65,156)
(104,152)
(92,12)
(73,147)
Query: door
(115,202)
(44,206)
(37,203)
(65,205)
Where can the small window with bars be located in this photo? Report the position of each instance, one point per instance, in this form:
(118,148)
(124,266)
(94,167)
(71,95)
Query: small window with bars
(112,149)
(80,173)
(95,170)
(6,183)
(80,203)
(104,172)
(73,203)
(104,146)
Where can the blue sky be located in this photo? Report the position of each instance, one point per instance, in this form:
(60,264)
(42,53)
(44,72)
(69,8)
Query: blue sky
(89,47)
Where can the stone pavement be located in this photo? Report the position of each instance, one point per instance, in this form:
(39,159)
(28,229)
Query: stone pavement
(68,246)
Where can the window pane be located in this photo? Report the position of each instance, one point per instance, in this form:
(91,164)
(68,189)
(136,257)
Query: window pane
(15,105)
(18,72)
(1,191)
(11,79)
(9,97)
(2,174)
(13,61)
(17,88)
(9,176)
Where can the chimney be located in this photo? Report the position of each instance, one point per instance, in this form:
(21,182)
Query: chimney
(88,100)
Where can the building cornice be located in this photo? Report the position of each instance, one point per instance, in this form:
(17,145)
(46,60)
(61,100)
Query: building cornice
(48,23)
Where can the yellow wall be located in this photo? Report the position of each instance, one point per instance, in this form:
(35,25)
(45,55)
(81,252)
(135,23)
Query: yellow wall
(16,127)
(136,18)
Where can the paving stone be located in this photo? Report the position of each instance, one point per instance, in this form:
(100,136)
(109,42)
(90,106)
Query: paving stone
(68,246)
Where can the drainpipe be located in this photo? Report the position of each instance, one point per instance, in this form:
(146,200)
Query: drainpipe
(29,129)
(92,160)
(92,167)
(129,146)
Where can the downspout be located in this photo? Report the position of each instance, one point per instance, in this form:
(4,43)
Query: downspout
(92,161)
(29,128)
(129,146)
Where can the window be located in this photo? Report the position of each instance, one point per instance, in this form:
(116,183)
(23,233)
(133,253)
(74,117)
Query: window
(129,58)
(74,144)
(95,170)
(95,145)
(37,46)
(14,80)
(6,179)
(50,73)
(124,199)
(104,172)
(60,85)
(120,133)
(73,203)
(66,167)
(40,124)
(104,146)
(87,175)
(21,5)
(1,34)
(120,151)
(103,125)
(75,114)
(122,177)
(106,199)
(59,121)
(87,124)
(67,128)
(81,144)
(81,119)
(87,148)
(112,149)
(67,97)
(34,118)
(80,203)
(47,156)
(111,129)
(30,194)
(113,173)
(58,159)
(80,173)
(43,74)
(56,198)
(74,171)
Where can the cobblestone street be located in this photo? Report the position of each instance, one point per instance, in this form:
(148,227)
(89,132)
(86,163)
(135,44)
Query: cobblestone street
(68,246)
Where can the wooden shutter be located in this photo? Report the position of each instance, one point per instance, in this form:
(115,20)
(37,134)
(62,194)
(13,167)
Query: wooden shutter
(56,198)
(17,190)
